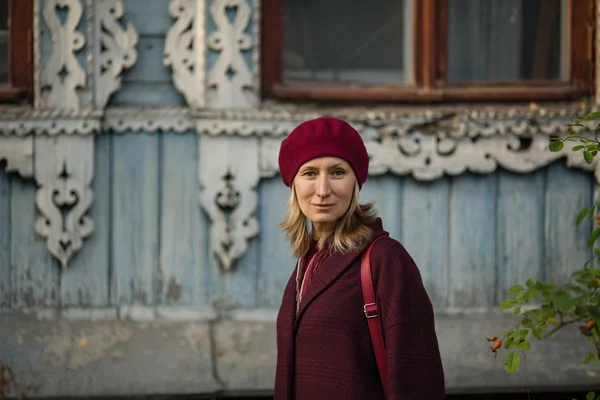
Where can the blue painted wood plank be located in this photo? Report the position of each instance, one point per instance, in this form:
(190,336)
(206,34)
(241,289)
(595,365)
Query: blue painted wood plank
(238,287)
(35,272)
(386,192)
(86,282)
(147,94)
(425,225)
(5,243)
(184,227)
(276,256)
(149,66)
(149,17)
(472,246)
(520,229)
(135,231)
(568,191)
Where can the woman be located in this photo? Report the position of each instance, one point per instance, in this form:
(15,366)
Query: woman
(324,345)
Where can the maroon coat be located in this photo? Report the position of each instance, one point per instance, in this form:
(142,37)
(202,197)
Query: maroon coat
(326,352)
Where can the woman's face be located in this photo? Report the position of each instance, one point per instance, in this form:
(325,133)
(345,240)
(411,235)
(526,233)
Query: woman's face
(324,188)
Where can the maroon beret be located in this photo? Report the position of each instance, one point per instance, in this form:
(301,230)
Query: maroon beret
(323,137)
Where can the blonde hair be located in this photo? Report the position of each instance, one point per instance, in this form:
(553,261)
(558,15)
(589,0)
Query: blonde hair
(350,232)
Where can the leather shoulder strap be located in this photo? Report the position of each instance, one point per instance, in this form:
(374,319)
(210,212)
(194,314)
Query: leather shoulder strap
(372,313)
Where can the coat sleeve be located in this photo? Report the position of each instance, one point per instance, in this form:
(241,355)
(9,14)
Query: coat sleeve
(414,364)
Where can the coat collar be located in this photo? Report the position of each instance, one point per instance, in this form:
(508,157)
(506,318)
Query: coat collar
(333,267)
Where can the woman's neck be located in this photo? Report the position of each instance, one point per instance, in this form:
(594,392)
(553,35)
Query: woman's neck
(320,229)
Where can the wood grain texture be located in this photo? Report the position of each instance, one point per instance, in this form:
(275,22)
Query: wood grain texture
(276,256)
(5,239)
(425,234)
(520,229)
(184,227)
(135,231)
(567,192)
(35,272)
(150,17)
(472,247)
(86,281)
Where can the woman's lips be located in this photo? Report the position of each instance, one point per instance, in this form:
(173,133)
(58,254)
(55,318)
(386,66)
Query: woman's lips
(322,206)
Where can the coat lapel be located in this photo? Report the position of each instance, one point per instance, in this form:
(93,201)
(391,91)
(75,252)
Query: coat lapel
(332,267)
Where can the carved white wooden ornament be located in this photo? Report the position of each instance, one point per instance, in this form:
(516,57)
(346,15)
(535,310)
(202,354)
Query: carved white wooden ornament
(64,167)
(185,49)
(119,49)
(17,152)
(231,81)
(63,78)
(228,173)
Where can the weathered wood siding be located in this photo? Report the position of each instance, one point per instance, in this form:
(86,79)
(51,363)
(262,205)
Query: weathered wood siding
(472,236)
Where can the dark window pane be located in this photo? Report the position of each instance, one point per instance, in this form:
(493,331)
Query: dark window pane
(3,15)
(4,42)
(355,42)
(506,40)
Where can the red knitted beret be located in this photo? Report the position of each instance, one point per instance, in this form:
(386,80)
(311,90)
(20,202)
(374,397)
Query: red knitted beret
(323,137)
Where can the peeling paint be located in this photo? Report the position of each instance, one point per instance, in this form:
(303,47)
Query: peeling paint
(174,292)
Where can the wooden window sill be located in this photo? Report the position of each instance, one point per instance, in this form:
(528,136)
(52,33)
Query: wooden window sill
(477,92)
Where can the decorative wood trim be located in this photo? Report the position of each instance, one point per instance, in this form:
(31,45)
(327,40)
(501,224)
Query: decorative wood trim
(64,168)
(119,49)
(63,78)
(18,154)
(63,82)
(185,50)
(231,83)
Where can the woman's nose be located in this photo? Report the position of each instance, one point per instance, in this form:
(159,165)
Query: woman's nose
(323,188)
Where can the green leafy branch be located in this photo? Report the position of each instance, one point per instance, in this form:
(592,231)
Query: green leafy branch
(545,308)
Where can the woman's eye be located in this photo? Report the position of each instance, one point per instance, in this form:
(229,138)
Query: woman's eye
(309,174)
(338,172)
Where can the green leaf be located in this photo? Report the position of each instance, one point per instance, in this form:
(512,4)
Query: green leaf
(521,335)
(522,297)
(582,310)
(537,334)
(591,357)
(563,300)
(547,311)
(588,156)
(509,342)
(583,213)
(593,237)
(590,396)
(512,363)
(591,116)
(532,293)
(527,323)
(506,304)
(524,345)
(556,146)
(517,310)
(515,290)
(594,312)
(577,148)
(530,283)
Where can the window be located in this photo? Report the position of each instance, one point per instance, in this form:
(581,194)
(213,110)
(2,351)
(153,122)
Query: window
(427,50)
(16,46)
